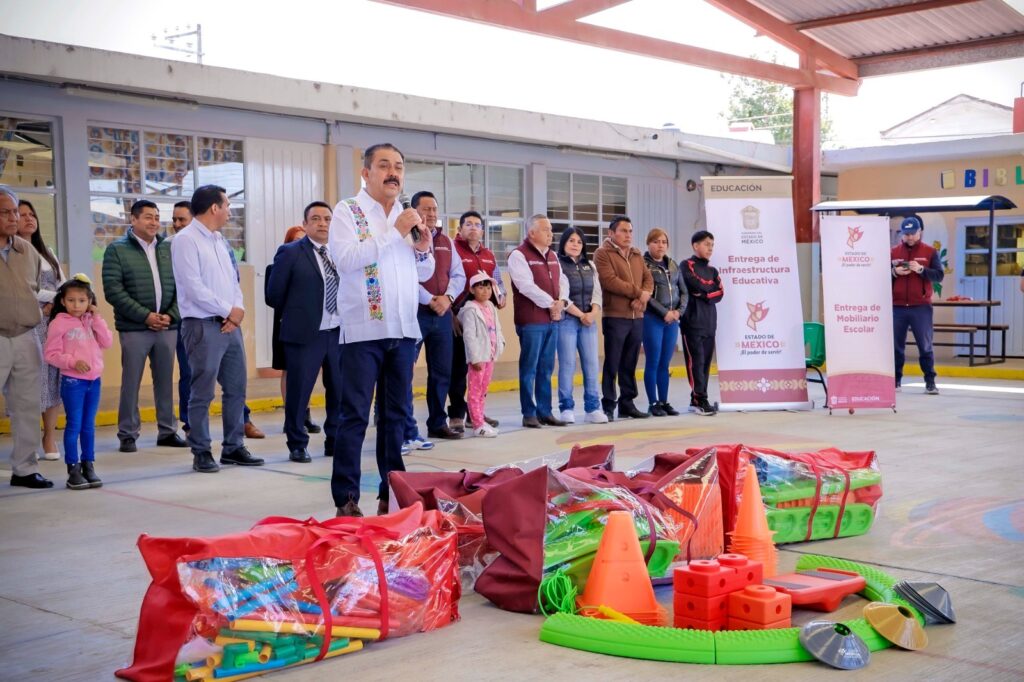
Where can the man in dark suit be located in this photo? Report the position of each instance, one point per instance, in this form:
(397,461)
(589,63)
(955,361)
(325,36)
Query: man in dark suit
(303,285)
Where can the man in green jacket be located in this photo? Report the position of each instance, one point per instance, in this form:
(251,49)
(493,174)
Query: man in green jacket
(138,283)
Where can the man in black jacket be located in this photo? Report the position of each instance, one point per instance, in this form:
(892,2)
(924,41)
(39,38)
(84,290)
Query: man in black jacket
(704,289)
(303,285)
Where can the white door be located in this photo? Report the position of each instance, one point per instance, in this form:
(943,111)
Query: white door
(1007,261)
(282,178)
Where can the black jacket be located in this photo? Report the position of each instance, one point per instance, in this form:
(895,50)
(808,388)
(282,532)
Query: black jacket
(669,288)
(705,289)
(295,287)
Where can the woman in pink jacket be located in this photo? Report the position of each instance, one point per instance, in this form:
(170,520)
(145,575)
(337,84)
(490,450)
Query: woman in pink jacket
(75,342)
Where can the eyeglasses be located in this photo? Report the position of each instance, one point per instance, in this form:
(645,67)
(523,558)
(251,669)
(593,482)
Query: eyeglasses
(12,212)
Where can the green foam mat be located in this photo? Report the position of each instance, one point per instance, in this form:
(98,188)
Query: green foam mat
(790,524)
(879,583)
(632,641)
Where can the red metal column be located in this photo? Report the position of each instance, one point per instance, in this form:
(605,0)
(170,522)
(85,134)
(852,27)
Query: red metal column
(806,162)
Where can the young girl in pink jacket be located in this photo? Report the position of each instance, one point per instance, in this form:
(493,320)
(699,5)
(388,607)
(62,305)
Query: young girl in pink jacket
(75,342)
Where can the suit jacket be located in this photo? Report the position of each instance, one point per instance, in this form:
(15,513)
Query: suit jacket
(295,287)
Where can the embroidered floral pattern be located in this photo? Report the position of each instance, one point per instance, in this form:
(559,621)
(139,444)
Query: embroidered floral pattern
(374,297)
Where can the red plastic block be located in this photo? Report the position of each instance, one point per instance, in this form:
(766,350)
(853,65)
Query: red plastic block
(698,624)
(760,604)
(822,589)
(715,577)
(710,608)
(740,624)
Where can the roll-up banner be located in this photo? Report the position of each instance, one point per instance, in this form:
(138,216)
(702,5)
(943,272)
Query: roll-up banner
(857,288)
(760,339)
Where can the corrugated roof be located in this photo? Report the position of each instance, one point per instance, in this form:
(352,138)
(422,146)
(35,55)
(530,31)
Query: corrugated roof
(883,35)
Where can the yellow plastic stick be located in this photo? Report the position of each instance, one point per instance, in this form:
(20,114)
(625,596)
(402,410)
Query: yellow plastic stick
(303,628)
(611,614)
(213,660)
(266,652)
(354,645)
(194,674)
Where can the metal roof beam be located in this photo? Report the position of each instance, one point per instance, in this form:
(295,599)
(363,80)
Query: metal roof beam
(784,33)
(577,9)
(867,15)
(938,56)
(512,15)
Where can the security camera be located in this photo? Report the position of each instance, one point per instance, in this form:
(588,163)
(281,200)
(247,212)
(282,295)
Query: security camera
(654,136)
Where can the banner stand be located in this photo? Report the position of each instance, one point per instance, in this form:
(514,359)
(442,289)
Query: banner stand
(760,407)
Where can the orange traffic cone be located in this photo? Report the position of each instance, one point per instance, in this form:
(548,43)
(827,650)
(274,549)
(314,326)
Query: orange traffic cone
(751,536)
(619,577)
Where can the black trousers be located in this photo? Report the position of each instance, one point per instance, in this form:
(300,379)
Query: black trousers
(622,339)
(698,347)
(303,362)
(457,385)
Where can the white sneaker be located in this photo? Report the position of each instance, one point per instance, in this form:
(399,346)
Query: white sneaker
(51,456)
(419,443)
(596,417)
(406,449)
(568,417)
(485,431)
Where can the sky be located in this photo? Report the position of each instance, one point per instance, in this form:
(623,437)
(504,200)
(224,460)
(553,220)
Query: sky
(367,44)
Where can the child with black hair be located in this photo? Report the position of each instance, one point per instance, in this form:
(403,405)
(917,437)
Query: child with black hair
(700,319)
(481,332)
(75,342)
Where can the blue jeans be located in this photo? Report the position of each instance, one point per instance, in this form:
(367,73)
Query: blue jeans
(215,358)
(81,400)
(574,338)
(536,363)
(918,319)
(386,364)
(659,345)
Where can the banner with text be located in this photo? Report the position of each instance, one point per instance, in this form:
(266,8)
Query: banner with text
(857,288)
(760,339)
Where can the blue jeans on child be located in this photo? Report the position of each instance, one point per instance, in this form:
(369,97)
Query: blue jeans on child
(659,345)
(81,400)
(574,338)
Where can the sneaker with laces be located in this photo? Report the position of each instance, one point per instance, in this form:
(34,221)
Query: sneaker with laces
(406,448)
(568,416)
(656,410)
(704,409)
(419,443)
(930,388)
(669,410)
(485,431)
(596,417)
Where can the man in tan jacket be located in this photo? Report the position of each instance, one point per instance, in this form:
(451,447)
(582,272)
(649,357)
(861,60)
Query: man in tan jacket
(20,360)
(626,286)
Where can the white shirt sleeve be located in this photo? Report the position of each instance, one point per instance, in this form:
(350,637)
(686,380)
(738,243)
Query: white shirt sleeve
(522,276)
(596,298)
(456,274)
(563,287)
(348,251)
(188,276)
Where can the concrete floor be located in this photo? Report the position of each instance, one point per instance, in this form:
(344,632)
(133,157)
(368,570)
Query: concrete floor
(71,579)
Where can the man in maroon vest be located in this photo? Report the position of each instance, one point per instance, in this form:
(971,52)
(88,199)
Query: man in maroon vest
(535,274)
(475,258)
(437,295)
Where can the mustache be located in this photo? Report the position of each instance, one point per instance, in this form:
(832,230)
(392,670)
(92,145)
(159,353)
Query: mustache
(392,178)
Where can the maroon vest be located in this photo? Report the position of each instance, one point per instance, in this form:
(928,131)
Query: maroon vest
(546,273)
(473,262)
(437,285)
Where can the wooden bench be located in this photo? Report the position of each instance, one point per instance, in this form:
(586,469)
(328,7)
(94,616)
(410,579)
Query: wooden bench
(971,330)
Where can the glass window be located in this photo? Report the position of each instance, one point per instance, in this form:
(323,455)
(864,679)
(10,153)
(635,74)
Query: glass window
(114,161)
(503,236)
(465,188)
(26,153)
(558,195)
(585,197)
(1010,237)
(977,237)
(504,192)
(613,197)
(588,202)
(425,176)
(126,165)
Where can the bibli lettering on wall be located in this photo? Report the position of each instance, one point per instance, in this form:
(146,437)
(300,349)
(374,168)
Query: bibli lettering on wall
(970,178)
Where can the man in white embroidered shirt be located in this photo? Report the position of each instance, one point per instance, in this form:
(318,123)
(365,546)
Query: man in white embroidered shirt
(211,308)
(380,267)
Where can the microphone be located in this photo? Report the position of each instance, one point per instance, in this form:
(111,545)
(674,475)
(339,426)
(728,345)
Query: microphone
(415,231)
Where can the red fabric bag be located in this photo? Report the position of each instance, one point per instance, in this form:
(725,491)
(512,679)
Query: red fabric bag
(459,496)
(174,613)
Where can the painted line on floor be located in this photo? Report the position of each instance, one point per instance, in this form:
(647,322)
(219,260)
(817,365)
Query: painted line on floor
(972,387)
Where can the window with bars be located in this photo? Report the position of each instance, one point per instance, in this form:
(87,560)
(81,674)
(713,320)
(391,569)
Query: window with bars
(588,202)
(496,192)
(126,164)
(26,166)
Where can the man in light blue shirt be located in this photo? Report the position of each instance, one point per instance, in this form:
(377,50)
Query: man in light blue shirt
(211,307)
(380,268)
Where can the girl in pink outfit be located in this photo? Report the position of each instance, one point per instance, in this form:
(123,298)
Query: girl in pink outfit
(75,342)
(481,332)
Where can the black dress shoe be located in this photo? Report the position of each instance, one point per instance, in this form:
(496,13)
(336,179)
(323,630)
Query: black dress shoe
(531,422)
(629,410)
(241,457)
(128,445)
(301,456)
(31,481)
(444,432)
(312,426)
(551,421)
(171,441)
(204,464)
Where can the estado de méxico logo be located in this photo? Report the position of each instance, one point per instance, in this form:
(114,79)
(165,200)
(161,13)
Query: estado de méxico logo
(758,312)
(853,235)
